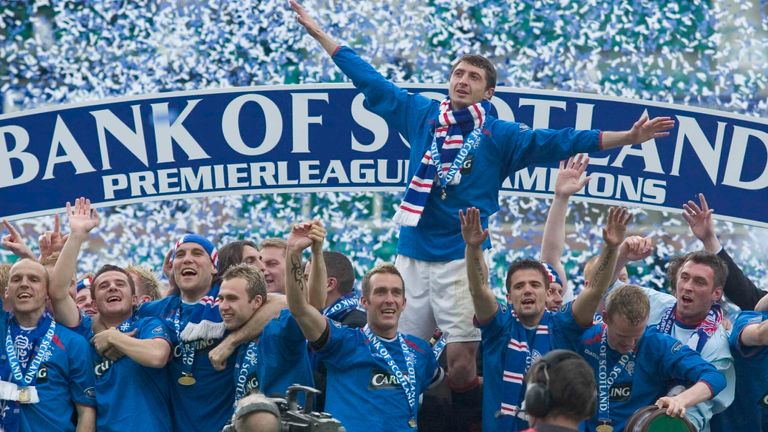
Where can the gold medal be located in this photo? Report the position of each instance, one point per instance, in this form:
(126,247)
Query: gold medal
(412,422)
(604,428)
(25,395)
(187,380)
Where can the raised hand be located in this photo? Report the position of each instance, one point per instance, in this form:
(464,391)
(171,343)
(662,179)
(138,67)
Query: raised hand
(644,129)
(299,238)
(317,235)
(52,241)
(313,28)
(569,178)
(699,218)
(82,217)
(618,219)
(15,243)
(635,248)
(471,229)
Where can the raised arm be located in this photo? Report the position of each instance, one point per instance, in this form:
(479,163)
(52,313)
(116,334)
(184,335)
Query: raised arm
(585,305)
(82,219)
(310,320)
(738,287)
(474,235)
(249,331)
(569,181)
(313,28)
(633,248)
(15,243)
(642,131)
(318,274)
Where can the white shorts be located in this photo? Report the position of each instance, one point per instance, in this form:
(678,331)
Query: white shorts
(437,295)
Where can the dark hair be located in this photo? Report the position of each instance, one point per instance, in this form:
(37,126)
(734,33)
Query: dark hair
(232,253)
(571,384)
(524,264)
(673,268)
(108,268)
(256,284)
(481,62)
(338,266)
(719,269)
(386,268)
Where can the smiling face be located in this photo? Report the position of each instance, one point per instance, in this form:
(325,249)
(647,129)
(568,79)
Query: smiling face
(696,292)
(27,287)
(527,295)
(192,268)
(467,86)
(384,303)
(273,267)
(113,295)
(235,306)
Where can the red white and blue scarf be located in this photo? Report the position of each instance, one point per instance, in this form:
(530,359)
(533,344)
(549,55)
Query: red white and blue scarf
(704,330)
(444,158)
(518,358)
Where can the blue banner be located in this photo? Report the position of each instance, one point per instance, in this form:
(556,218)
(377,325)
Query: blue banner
(321,138)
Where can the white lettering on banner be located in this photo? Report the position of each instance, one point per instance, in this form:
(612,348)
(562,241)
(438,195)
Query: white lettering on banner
(302,119)
(541,109)
(63,138)
(254,175)
(502,109)
(107,121)
(166,133)
(602,185)
(29,164)
(736,156)
(373,122)
(273,125)
(688,129)
(116,139)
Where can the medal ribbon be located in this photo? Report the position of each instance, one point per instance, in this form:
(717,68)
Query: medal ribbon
(349,302)
(18,376)
(248,362)
(187,352)
(606,380)
(439,347)
(472,141)
(407,383)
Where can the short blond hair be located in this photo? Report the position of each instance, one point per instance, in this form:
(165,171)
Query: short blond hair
(629,301)
(149,284)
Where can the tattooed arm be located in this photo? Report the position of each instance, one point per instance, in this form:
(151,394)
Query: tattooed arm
(310,320)
(474,235)
(586,304)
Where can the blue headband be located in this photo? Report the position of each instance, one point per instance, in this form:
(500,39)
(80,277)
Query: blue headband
(202,241)
(553,276)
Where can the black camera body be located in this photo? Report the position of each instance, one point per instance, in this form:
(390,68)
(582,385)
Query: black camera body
(295,419)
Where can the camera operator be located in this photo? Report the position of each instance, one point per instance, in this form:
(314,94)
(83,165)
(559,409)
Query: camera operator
(561,392)
(256,412)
